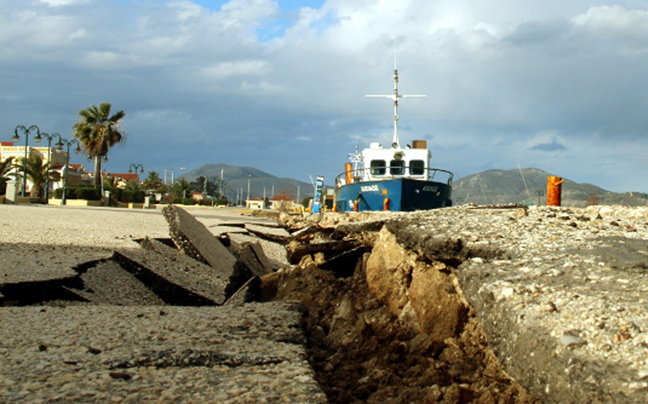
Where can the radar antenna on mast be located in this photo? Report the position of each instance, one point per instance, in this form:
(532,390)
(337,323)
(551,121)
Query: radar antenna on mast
(395,97)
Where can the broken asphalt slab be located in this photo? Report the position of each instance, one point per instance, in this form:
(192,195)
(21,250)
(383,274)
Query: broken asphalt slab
(173,276)
(108,283)
(196,241)
(278,235)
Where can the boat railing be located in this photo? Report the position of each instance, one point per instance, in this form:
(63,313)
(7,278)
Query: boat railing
(379,173)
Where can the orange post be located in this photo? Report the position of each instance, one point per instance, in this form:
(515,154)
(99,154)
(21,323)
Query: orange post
(348,168)
(554,190)
(386,204)
(356,205)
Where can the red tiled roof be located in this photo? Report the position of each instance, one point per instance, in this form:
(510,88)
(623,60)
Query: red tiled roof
(125,177)
(281,198)
(76,166)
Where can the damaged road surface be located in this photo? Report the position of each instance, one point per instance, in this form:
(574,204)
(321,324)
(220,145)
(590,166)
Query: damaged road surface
(111,320)
(465,304)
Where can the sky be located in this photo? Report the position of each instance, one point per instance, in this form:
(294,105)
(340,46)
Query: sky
(280,85)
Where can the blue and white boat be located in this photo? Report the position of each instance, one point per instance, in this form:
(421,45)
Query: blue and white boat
(393,178)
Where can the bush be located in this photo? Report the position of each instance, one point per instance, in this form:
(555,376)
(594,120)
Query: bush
(79,192)
(188,201)
(127,196)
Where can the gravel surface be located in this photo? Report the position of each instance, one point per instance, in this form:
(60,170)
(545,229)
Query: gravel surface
(145,354)
(104,228)
(38,263)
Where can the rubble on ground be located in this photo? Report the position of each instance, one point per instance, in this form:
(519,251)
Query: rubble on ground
(466,304)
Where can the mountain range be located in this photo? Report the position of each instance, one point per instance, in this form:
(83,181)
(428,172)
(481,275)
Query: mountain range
(261,183)
(523,185)
(529,186)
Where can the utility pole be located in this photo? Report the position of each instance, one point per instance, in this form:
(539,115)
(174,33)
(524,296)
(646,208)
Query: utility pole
(248,194)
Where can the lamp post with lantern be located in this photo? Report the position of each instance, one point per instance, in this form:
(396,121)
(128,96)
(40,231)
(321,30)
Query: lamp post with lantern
(49,158)
(77,149)
(16,138)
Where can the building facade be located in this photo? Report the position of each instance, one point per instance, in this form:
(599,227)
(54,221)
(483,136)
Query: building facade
(76,172)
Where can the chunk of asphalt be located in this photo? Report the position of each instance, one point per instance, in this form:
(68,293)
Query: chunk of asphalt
(196,241)
(176,278)
(278,235)
(252,256)
(249,292)
(109,283)
(241,273)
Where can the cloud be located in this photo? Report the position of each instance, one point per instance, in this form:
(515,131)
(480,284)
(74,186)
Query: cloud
(61,3)
(225,70)
(511,82)
(551,146)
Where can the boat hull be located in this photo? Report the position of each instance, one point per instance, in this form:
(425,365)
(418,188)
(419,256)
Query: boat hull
(403,194)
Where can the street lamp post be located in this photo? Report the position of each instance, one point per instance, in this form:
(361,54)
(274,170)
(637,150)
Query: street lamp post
(16,138)
(136,167)
(77,149)
(49,158)
(172,175)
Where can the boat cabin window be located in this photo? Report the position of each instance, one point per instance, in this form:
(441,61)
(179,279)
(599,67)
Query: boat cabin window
(417,167)
(397,167)
(378,167)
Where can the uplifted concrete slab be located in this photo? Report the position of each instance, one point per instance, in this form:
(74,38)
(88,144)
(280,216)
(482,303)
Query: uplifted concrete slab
(195,240)
(89,354)
(173,276)
(253,257)
(108,283)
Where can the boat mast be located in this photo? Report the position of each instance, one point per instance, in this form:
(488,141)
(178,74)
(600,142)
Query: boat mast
(395,97)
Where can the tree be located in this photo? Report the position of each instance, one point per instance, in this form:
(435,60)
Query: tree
(5,168)
(133,186)
(36,171)
(153,181)
(182,188)
(110,183)
(97,132)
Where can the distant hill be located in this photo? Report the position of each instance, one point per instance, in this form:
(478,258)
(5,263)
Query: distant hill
(508,186)
(237,178)
(486,187)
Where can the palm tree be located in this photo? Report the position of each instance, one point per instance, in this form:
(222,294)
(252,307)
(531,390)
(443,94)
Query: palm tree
(98,131)
(5,168)
(36,171)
